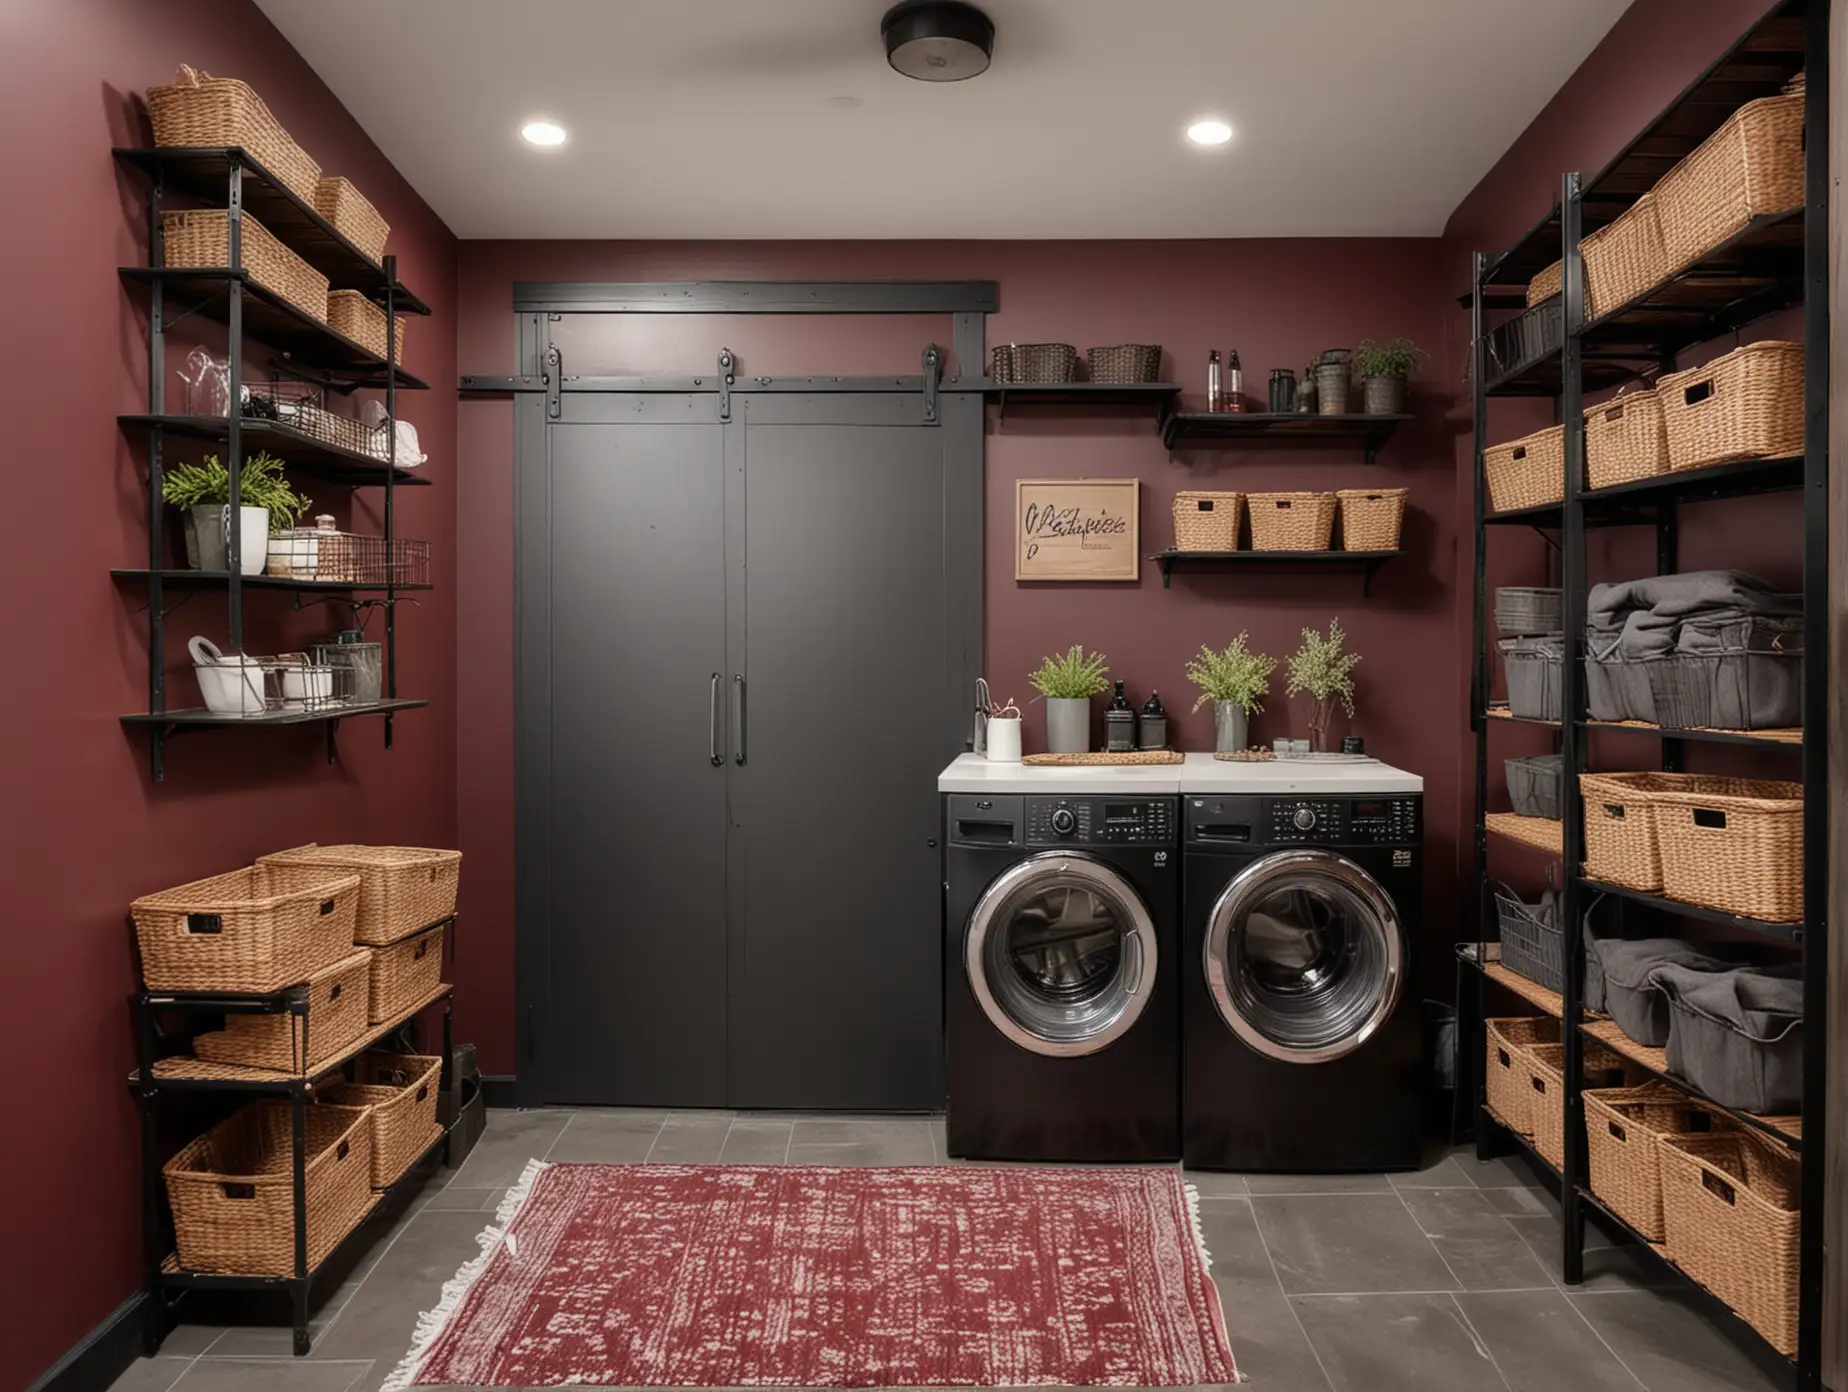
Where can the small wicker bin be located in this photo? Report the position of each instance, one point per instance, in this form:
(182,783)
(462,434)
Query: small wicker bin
(338,1014)
(1371,518)
(1546,1075)
(1624,1128)
(352,314)
(403,974)
(201,237)
(1745,405)
(1509,1092)
(1124,364)
(1292,521)
(256,929)
(1751,166)
(401,1091)
(1625,440)
(1034,362)
(354,218)
(202,111)
(1528,472)
(1731,1219)
(1733,844)
(402,889)
(1206,521)
(233,1193)
(1620,831)
(1623,258)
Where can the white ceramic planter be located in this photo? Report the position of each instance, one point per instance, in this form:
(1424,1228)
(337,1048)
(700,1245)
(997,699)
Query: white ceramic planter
(208,538)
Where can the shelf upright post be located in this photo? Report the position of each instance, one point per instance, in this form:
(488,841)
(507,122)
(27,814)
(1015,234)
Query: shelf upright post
(1668,561)
(1572,702)
(154,1316)
(1479,695)
(234,406)
(157,504)
(391,475)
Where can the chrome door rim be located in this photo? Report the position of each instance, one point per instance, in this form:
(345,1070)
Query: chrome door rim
(1139,943)
(1240,894)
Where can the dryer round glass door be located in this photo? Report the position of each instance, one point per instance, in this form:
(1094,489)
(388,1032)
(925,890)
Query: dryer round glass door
(1060,954)
(1304,956)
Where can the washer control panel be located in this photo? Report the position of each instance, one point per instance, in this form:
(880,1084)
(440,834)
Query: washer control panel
(1384,821)
(1101,821)
(1305,820)
(1235,820)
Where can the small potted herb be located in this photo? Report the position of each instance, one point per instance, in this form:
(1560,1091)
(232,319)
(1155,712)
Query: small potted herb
(202,492)
(1384,368)
(1236,681)
(1068,683)
(1321,668)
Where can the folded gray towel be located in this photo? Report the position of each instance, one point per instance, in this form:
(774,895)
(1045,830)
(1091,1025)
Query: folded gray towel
(1693,592)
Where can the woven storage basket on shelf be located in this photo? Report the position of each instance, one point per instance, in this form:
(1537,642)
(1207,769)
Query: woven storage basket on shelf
(1731,1219)
(354,218)
(1746,405)
(1547,284)
(1623,1131)
(1035,362)
(337,1015)
(1507,1088)
(1124,363)
(1528,472)
(1625,440)
(352,314)
(1206,521)
(233,1192)
(1291,521)
(1623,259)
(201,237)
(1752,165)
(1733,844)
(403,974)
(257,929)
(401,1091)
(402,889)
(1371,518)
(1620,832)
(200,110)
(1546,1075)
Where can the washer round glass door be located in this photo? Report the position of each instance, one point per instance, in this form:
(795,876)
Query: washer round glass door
(1060,953)
(1304,956)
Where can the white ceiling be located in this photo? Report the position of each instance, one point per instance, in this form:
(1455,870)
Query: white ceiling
(780,118)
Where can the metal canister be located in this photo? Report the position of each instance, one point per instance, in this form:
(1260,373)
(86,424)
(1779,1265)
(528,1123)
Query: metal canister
(1153,730)
(1282,391)
(1235,382)
(1215,393)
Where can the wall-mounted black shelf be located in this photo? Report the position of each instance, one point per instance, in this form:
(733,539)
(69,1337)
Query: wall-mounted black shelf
(181,579)
(1264,430)
(198,718)
(1540,377)
(1118,394)
(1367,562)
(1640,501)
(302,453)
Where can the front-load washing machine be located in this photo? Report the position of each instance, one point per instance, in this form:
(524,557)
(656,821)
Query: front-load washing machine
(1062,996)
(1300,1030)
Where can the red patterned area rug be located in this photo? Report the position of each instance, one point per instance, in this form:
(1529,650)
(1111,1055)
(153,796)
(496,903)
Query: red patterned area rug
(765,1276)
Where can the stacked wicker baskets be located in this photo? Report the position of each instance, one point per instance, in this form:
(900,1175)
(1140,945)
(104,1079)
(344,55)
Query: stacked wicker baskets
(1508,1080)
(1546,1077)
(1528,472)
(399,1092)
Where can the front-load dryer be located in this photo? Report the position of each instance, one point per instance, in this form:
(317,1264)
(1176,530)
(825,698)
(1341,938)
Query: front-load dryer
(1062,989)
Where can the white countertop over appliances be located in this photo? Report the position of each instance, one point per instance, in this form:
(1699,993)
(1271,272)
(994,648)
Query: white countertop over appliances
(971,773)
(1202,773)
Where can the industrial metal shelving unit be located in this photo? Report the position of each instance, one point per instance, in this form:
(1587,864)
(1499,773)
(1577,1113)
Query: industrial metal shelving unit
(307,350)
(1776,263)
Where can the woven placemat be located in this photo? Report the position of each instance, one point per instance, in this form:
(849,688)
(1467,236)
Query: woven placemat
(1247,756)
(1140,756)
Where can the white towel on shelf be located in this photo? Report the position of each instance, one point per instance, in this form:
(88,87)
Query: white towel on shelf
(410,453)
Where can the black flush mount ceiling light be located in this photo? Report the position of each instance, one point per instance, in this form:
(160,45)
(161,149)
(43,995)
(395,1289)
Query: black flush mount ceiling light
(938,40)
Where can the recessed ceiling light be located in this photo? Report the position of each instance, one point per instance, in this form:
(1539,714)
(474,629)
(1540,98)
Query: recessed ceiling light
(1209,130)
(543,133)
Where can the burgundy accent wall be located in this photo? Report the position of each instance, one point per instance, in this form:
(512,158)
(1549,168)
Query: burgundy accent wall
(1277,302)
(85,829)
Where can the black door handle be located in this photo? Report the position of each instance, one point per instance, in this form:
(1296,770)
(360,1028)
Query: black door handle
(712,724)
(738,720)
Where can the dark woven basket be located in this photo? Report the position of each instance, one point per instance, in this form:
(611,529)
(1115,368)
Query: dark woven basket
(1125,363)
(1035,362)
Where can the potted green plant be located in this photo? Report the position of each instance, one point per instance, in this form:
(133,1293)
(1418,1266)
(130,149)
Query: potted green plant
(1068,683)
(202,492)
(1384,367)
(1236,681)
(1321,667)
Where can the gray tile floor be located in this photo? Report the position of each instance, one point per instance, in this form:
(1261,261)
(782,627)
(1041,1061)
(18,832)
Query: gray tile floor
(1446,1279)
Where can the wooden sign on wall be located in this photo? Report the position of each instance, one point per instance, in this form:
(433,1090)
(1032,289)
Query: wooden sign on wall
(1076,529)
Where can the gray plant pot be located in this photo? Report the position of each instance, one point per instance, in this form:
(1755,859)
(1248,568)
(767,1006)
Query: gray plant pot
(208,538)
(1385,396)
(1333,381)
(1230,727)
(1068,725)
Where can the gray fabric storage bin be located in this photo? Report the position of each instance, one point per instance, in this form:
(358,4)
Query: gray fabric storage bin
(1533,668)
(1749,671)
(1533,785)
(1634,995)
(1616,687)
(1737,1036)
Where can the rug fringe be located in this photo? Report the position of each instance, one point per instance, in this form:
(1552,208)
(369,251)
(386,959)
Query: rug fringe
(431,1323)
(1206,1256)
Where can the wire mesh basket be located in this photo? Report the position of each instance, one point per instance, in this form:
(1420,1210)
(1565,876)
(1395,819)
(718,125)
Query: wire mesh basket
(358,668)
(323,554)
(302,407)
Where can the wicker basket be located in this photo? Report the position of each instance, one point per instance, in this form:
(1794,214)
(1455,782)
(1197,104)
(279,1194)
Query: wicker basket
(1508,1090)
(352,314)
(342,204)
(1734,844)
(1746,405)
(1625,440)
(1624,259)
(257,929)
(233,1191)
(337,1015)
(402,889)
(1547,284)
(201,237)
(1291,521)
(403,974)
(1620,831)
(1623,1130)
(401,1091)
(199,110)
(1750,166)
(1528,472)
(1206,521)
(1730,1210)
(1371,518)
(1125,363)
(1035,362)
(1546,1076)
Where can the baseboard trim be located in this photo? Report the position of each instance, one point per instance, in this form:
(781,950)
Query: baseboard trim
(500,1089)
(101,1356)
